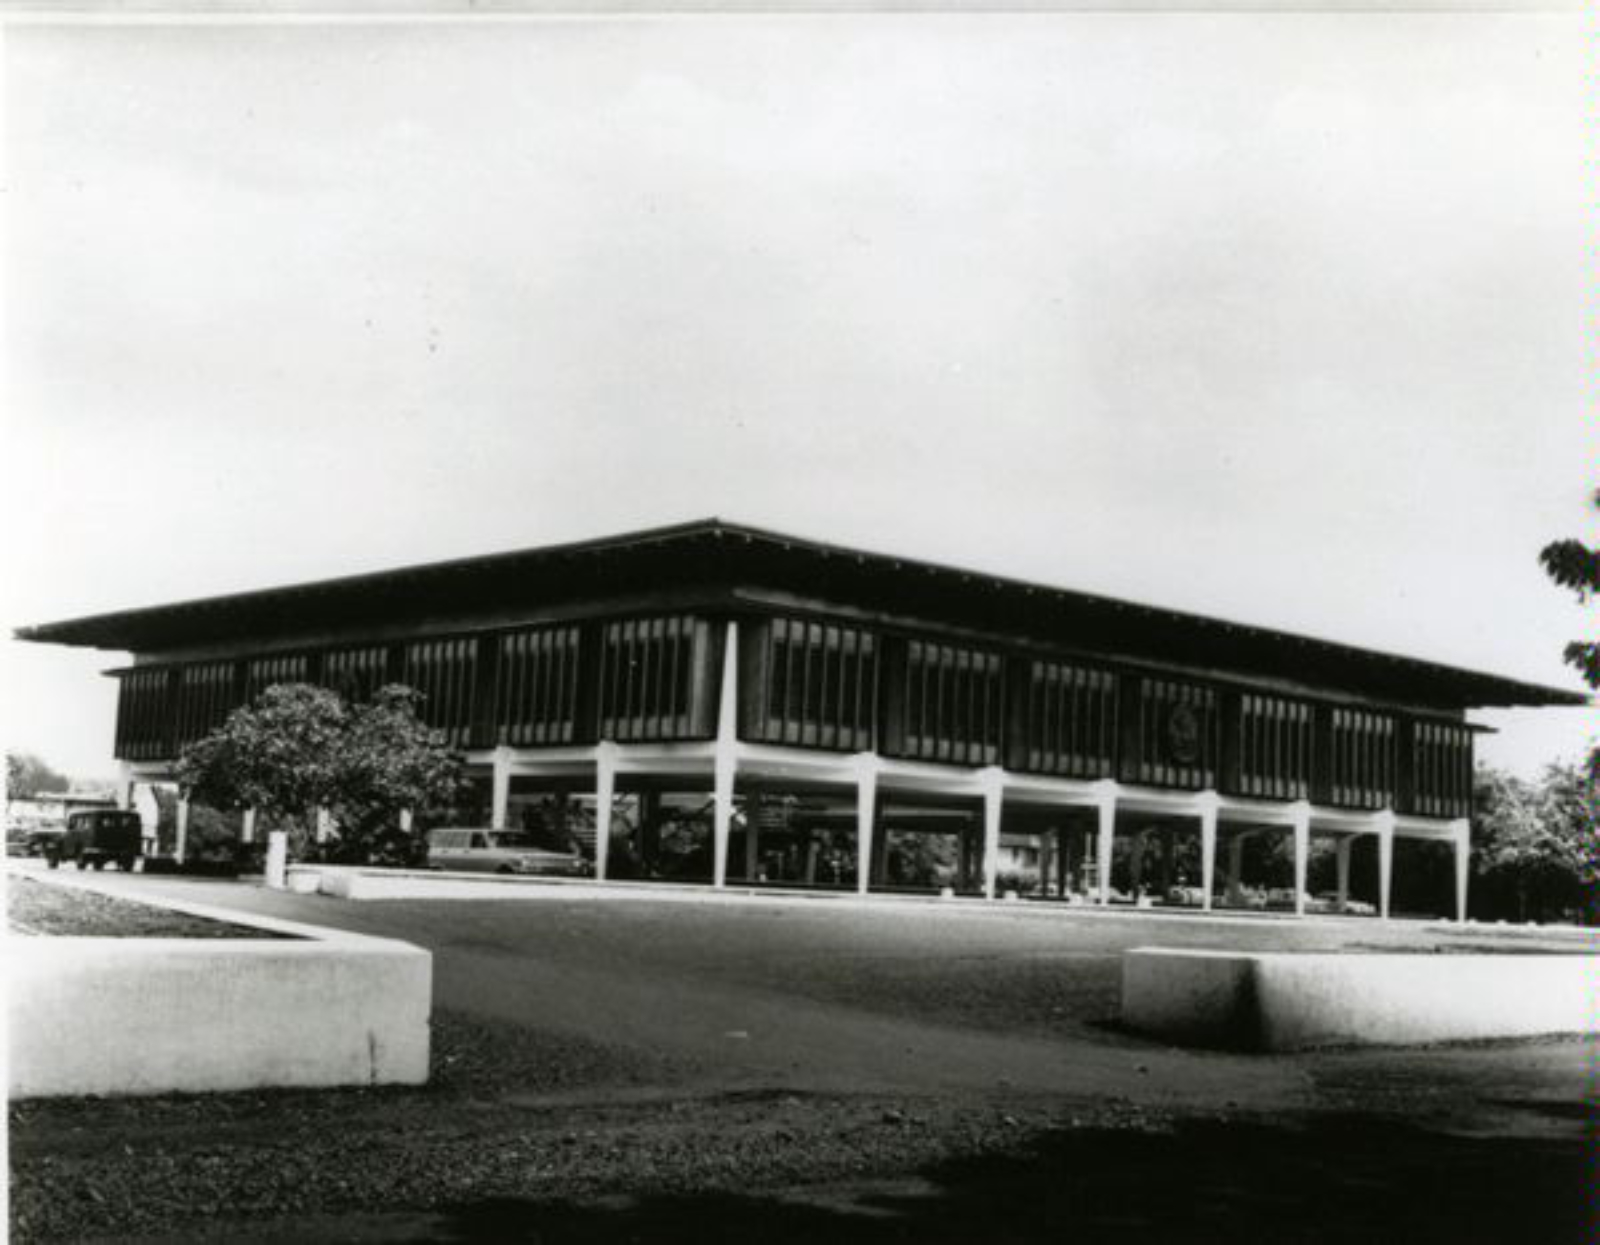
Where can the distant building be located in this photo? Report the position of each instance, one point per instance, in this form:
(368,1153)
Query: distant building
(823,705)
(48,810)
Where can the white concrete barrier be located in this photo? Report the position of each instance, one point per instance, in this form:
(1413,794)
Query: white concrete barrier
(157,1015)
(1287,1001)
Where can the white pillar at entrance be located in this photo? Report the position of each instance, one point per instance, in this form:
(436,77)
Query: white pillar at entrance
(1342,859)
(406,818)
(1462,834)
(277,859)
(1208,847)
(866,819)
(1107,811)
(605,793)
(1302,849)
(180,833)
(247,826)
(993,800)
(1383,824)
(123,793)
(324,825)
(726,761)
(500,788)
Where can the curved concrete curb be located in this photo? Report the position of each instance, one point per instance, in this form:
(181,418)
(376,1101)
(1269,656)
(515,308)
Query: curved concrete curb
(1287,1001)
(156,1015)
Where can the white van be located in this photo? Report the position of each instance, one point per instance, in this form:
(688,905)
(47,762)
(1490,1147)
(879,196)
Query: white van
(469,850)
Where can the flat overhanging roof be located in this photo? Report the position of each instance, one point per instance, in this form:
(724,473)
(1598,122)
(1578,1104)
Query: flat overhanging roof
(715,564)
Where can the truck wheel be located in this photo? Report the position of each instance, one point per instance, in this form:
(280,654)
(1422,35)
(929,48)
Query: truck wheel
(82,864)
(51,859)
(99,863)
(126,864)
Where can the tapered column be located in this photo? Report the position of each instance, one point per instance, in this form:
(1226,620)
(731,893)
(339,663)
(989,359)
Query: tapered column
(1462,832)
(1342,859)
(1302,850)
(1383,825)
(180,832)
(993,800)
(1208,849)
(866,820)
(726,762)
(123,794)
(1107,814)
(605,795)
(247,826)
(500,788)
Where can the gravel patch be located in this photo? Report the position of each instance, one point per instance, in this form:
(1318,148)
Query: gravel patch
(39,908)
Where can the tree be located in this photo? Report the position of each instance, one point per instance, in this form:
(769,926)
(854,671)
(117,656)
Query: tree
(1576,566)
(300,748)
(1535,855)
(28,776)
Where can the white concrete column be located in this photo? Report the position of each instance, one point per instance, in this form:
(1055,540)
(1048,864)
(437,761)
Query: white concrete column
(1383,825)
(1462,835)
(500,788)
(1302,850)
(123,791)
(180,833)
(993,806)
(406,818)
(1342,859)
(1208,847)
(277,859)
(247,827)
(605,794)
(1106,808)
(726,762)
(866,819)
(324,825)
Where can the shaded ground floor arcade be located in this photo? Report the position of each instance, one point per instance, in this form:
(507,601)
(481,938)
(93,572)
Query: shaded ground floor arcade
(731,813)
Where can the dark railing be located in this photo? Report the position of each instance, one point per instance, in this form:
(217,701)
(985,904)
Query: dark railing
(263,672)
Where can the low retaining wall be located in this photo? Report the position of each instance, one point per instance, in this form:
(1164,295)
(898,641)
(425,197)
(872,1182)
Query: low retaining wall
(157,1015)
(1288,1001)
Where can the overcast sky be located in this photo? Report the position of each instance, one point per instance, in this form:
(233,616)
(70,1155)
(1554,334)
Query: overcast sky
(1286,318)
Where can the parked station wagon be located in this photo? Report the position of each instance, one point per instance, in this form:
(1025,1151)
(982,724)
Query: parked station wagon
(471,850)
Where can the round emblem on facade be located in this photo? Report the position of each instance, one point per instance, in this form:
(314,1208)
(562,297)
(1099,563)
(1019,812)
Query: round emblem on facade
(1183,734)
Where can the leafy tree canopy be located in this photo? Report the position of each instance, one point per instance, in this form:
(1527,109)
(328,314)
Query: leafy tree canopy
(1536,844)
(299,748)
(1576,567)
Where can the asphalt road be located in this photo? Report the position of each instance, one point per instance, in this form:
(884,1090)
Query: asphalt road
(646,1070)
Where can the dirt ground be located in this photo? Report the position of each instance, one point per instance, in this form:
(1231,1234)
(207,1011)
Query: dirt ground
(649,1071)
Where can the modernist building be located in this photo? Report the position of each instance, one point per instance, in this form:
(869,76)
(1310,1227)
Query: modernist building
(846,698)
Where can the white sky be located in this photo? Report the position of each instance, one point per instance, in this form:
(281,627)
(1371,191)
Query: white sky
(1283,317)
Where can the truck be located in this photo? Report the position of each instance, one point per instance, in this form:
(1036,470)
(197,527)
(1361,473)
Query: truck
(94,837)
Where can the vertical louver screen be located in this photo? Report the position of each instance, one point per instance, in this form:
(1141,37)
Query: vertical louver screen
(538,693)
(1072,720)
